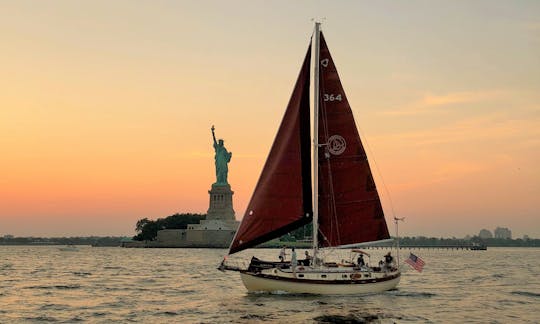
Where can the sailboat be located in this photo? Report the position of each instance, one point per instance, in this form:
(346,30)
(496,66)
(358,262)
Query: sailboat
(337,194)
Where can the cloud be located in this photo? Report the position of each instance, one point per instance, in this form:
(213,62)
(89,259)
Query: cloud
(441,171)
(522,129)
(533,26)
(403,77)
(460,97)
(431,103)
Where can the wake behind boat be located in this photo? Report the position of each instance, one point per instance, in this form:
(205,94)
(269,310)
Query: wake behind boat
(347,209)
(69,247)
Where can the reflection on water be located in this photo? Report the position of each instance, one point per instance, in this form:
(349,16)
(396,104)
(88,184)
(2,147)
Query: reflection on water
(182,285)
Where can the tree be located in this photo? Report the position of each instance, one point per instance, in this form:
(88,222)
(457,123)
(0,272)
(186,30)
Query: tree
(300,233)
(147,229)
(180,221)
(141,223)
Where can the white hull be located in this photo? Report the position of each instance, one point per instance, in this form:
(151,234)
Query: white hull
(257,283)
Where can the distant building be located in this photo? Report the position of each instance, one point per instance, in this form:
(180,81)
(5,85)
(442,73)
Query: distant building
(526,237)
(503,233)
(8,237)
(485,234)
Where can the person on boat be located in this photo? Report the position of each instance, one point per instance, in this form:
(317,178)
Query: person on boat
(361,261)
(388,260)
(307,260)
(294,261)
(282,254)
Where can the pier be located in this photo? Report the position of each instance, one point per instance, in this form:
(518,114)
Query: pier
(434,247)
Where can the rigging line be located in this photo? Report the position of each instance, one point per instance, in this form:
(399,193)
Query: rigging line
(332,201)
(324,237)
(378,171)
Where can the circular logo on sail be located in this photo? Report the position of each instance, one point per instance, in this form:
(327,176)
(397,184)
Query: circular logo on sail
(336,144)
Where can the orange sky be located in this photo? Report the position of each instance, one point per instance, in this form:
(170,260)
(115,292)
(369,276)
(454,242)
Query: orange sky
(106,107)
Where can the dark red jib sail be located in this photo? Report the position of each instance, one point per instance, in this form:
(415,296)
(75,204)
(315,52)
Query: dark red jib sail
(282,198)
(350,210)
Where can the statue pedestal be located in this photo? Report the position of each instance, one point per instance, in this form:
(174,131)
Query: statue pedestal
(221,206)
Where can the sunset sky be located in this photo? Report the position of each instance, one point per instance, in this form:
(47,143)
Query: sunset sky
(106,107)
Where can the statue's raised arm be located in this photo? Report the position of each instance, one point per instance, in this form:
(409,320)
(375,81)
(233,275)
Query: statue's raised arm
(213,135)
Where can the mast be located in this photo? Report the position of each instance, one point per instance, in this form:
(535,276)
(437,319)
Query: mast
(316,142)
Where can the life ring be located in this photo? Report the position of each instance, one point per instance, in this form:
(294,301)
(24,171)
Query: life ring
(356,276)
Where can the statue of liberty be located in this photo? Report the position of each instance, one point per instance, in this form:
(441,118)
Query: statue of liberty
(222,157)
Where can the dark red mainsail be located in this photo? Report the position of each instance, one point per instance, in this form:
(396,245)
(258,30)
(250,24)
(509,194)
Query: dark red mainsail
(350,210)
(282,200)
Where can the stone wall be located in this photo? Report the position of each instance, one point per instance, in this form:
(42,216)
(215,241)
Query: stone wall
(193,238)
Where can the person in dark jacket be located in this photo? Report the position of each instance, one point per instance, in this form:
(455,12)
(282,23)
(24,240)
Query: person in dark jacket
(388,259)
(361,261)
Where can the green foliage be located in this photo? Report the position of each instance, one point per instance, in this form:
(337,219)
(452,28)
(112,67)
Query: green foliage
(147,229)
(287,238)
(180,221)
(298,234)
(141,223)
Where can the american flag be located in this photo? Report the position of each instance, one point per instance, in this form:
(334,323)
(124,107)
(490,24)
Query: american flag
(415,262)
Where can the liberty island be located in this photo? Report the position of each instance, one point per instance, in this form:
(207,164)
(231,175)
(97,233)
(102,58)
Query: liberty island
(220,225)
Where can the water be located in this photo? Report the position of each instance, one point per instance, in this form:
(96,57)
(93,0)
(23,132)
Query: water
(103,285)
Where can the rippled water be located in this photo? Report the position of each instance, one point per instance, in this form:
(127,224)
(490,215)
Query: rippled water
(40,284)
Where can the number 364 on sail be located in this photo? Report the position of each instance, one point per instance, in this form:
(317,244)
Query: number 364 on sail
(332,97)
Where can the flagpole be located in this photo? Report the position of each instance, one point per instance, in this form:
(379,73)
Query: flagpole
(396,220)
